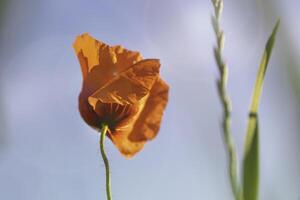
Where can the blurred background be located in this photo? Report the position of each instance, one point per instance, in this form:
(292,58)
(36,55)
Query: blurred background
(46,150)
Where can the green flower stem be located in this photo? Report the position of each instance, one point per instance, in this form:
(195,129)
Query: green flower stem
(105,160)
(225,100)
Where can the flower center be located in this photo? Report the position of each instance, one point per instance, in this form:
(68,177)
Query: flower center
(114,113)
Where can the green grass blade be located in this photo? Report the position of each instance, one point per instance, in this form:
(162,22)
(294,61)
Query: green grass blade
(251,161)
(262,70)
(251,156)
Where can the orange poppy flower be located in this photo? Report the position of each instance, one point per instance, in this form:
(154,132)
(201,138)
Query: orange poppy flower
(121,90)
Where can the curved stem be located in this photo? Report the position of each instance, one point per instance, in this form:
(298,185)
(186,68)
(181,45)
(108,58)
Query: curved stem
(105,160)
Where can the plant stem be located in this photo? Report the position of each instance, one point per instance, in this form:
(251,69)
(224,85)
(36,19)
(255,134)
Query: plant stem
(225,100)
(105,160)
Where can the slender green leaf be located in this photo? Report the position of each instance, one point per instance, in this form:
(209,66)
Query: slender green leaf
(262,70)
(251,156)
(251,161)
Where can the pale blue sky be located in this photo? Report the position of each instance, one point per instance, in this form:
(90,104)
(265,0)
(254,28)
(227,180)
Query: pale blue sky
(49,153)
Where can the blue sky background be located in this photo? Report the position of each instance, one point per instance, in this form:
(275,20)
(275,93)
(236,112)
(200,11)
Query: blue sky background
(47,152)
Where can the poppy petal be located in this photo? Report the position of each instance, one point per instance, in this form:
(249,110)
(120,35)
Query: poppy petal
(131,140)
(100,62)
(125,58)
(126,147)
(148,123)
(92,53)
(129,86)
(87,113)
